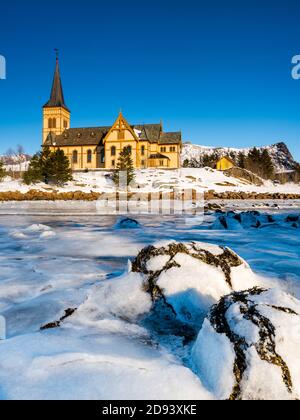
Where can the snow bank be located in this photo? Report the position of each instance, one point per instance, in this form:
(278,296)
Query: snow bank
(154,180)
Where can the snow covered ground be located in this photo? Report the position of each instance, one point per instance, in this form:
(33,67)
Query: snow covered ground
(203,179)
(107,349)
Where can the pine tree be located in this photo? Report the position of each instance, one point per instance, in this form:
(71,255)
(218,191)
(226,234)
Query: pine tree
(34,172)
(60,168)
(2,171)
(125,164)
(49,167)
(253,161)
(186,163)
(267,166)
(241,160)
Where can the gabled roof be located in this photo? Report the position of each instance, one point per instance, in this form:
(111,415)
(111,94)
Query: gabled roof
(227,158)
(150,132)
(57,96)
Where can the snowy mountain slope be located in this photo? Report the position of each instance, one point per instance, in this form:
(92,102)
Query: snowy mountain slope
(279,152)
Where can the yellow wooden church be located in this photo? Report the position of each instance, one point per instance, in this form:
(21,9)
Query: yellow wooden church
(99,147)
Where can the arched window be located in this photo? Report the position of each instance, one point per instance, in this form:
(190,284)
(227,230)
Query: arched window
(50,123)
(75,156)
(143,150)
(113,151)
(89,156)
(54,122)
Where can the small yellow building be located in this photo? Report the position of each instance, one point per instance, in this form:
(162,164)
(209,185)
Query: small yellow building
(225,163)
(100,147)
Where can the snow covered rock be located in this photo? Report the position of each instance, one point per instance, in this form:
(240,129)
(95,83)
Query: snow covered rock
(191,277)
(248,347)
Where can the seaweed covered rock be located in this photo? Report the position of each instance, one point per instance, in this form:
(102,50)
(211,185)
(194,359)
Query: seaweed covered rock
(191,277)
(248,347)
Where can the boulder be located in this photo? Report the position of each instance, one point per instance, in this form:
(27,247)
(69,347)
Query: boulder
(190,277)
(248,347)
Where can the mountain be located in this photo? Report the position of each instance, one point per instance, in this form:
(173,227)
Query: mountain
(279,152)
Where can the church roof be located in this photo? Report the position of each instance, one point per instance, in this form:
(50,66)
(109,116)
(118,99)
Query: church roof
(57,96)
(93,136)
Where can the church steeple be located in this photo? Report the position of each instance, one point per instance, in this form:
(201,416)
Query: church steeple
(57,96)
(56,115)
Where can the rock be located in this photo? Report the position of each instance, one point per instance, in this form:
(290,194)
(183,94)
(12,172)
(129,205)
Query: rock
(250,219)
(248,347)
(55,324)
(127,224)
(240,173)
(292,219)
(190,277)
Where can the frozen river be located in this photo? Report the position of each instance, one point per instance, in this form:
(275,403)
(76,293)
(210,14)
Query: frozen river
(51,263)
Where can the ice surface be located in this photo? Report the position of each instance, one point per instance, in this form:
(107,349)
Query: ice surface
(50,263)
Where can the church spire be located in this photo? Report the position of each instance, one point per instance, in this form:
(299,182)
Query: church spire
(57,95)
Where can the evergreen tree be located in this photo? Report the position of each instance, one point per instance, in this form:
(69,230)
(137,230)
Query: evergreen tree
(186,163)
(267,166)
(34,172)
(49,167)
(241,160)
(125,164)
(2,171)
(253,162)
(60,168)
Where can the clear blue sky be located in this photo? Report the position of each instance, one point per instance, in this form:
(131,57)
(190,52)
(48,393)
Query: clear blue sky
(218,70)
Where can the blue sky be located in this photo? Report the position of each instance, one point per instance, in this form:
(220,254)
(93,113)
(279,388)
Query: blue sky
(219,71)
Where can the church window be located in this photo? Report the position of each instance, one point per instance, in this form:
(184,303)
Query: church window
(161,163)
(163,149)
(53,122)
(113,151)
(89,156)
(172,149)
(65,124)
(75,156)
(113,163)
(143,150)
(50,123)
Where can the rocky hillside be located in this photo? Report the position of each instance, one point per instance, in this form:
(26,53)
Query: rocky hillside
(279,152)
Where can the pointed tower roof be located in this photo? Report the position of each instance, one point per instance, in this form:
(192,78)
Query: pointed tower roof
(57,95)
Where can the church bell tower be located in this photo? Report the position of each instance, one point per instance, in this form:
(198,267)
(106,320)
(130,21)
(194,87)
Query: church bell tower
(56,115)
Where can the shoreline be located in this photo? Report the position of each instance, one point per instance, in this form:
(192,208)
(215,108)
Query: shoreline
(90,208)
(37,195)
